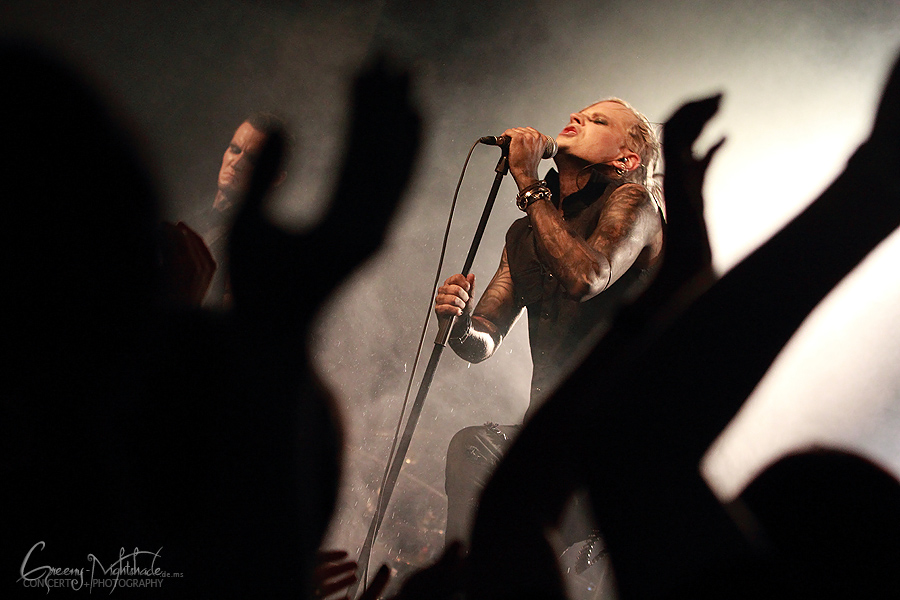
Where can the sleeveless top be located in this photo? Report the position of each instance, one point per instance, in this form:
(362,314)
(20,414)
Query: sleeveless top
(560,329)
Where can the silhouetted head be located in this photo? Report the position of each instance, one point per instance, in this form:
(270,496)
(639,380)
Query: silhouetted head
(832,519)
(80,210)
(79,229)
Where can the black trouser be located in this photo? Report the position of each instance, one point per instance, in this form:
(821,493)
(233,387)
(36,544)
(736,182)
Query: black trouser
(473,455)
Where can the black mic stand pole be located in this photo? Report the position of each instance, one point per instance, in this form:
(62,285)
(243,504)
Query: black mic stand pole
(443,336)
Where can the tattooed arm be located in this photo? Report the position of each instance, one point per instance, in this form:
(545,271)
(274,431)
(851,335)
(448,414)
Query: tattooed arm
(629,230)
(477,333)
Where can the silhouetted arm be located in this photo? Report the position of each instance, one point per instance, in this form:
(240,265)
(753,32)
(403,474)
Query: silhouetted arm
(709,360)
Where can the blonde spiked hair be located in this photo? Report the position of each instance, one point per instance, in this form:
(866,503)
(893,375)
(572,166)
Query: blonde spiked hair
(641,139)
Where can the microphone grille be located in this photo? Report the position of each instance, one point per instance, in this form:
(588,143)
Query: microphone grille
(551,149)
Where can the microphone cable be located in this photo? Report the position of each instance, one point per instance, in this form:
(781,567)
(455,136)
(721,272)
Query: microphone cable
(381,506)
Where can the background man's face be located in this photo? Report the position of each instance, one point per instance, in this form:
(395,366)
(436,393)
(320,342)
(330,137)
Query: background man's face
(239,159)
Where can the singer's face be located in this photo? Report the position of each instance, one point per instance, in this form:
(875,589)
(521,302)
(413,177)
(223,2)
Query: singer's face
(239,159)
(597,133)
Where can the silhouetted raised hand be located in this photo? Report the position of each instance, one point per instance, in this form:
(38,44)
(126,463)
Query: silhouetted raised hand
(272,267)
(655,513)
(687,241)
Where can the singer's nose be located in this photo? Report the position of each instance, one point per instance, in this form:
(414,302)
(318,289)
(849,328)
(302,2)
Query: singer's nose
(576,117)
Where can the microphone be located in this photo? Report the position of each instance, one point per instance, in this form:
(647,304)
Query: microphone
(501,140)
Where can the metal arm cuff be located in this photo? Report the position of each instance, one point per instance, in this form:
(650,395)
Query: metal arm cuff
(459,339)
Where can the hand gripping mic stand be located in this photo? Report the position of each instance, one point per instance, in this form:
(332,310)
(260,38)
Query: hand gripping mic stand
(443,336)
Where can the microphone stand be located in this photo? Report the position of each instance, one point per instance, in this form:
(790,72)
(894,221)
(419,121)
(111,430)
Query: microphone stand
(443,336)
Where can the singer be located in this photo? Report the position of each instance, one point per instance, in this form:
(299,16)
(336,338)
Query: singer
(589,240)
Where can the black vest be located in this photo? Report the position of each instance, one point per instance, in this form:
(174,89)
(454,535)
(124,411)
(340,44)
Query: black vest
(560,329)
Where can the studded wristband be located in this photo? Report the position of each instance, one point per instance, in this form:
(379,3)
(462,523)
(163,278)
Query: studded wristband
(532,194)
